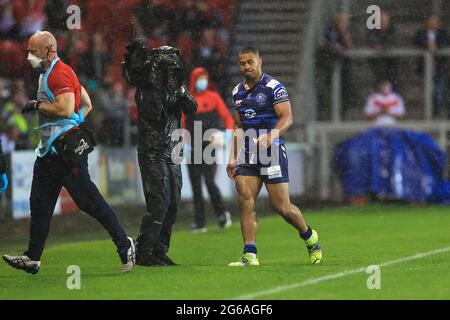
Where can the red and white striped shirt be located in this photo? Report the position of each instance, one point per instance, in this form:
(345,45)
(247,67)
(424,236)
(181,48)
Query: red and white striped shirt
(391,106)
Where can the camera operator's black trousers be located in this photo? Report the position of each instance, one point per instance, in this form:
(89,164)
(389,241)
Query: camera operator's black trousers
(162,184)
(50,174)
(208,171)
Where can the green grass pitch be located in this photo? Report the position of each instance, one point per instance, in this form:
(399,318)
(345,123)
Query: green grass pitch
(352,238)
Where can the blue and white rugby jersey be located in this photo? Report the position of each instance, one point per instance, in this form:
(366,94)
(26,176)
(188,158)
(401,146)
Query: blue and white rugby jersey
(256,106)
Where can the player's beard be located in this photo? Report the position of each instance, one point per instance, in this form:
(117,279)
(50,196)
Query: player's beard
(251,77)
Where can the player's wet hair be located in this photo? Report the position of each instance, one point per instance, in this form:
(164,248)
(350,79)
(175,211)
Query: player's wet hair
(250,50)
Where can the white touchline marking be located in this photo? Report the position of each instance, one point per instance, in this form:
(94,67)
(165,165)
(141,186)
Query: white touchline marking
(305,283)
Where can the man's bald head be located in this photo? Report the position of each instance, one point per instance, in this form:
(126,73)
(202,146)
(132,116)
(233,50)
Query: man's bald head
(43,45)
(44,39)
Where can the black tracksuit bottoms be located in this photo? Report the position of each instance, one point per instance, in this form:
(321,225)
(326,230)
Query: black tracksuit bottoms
(50,174)
(208,172)
(162,182)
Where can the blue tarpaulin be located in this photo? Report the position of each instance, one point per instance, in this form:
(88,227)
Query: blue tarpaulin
(392,163)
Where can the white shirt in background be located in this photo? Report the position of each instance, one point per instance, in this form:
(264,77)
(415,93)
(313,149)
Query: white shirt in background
(8,145)
(431,37)
(392,103)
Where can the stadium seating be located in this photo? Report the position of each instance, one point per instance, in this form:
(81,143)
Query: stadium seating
(407,17)
(277,30)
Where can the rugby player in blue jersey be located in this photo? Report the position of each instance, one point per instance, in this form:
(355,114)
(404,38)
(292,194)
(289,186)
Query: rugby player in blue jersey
(258,154)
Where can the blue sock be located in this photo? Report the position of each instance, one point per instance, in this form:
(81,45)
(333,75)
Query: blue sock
(307,234)
(250,248)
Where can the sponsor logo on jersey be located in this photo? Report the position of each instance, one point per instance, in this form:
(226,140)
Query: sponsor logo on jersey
(280,93)
(249,114)
(261,98)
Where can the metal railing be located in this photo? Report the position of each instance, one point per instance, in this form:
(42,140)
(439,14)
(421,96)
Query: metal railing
(365,53)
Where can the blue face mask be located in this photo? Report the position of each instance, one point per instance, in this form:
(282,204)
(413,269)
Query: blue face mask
(201,84)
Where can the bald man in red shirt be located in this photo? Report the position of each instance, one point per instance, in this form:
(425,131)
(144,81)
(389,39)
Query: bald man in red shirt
(62,104)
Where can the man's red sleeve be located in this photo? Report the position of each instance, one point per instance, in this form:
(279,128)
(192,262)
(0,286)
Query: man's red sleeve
(224,113)
(61,82)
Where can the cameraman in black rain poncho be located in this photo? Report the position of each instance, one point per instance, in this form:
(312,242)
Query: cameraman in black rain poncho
(161,99)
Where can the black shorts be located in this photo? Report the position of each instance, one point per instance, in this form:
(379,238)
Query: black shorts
(272,173)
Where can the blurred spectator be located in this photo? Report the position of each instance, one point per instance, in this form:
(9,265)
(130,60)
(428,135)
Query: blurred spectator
(433,38)
(133,113)
(12,59)
(188,18)
(8,25)
(76,44)
(205,19)
(380,40)
(186,45)
(151,14)
(209,56)
(92,63)
(337,41)
(385,106)
(30,16)
(9,135)
(337,37)
(10,115)
(159,36)
(210,113)
(110,100)
(195,27)
(56,11)
(4,90)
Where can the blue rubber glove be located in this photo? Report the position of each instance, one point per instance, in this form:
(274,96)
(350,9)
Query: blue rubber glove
(81,116)
(78,117)
(75,117)
(3,182)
